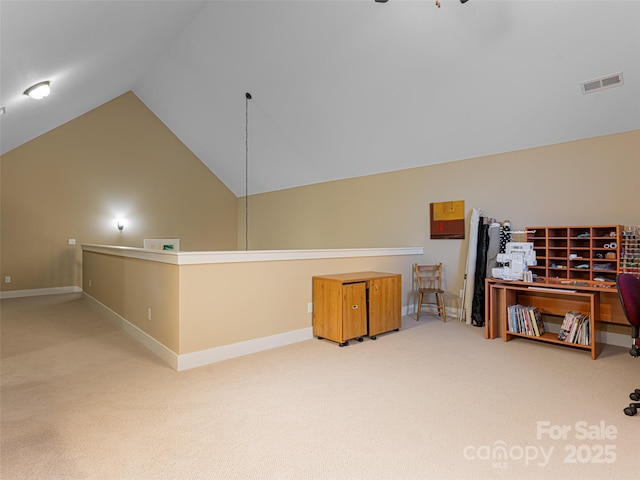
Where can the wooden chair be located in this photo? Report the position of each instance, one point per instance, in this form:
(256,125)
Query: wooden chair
(429,279)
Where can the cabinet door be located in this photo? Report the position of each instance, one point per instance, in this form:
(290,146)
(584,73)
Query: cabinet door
(327,309)
(354,310)
(385,307)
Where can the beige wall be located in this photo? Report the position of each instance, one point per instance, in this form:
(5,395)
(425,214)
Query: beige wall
(585,182)
(72,182)
(223,304)
(130,286)
(200,307)
(119,159)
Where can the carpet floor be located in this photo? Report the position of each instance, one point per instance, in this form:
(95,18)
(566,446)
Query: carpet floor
(80,399)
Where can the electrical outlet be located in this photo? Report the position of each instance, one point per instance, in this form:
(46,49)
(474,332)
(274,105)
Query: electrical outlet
(89,282)
(149,313)
(7,279)
(72,241)
(310,307)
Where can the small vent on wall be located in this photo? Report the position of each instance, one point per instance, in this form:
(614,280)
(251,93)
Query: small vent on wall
(602,83)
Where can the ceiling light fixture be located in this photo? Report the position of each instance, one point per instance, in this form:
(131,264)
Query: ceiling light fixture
(39,90)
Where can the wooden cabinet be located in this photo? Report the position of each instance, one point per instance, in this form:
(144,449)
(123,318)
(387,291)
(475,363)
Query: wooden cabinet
(582,255)
(352,305)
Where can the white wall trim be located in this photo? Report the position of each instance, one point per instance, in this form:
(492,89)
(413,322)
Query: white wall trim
(612,338)
(225,352)
(202,357)
(36,292)
(411,309)
(217,354)
(199,258)
(164,353)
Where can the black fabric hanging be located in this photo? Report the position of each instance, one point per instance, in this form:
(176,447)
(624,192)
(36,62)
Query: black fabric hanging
(493,248)
(477,307)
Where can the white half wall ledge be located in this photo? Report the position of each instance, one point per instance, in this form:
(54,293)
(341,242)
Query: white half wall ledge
(201,258)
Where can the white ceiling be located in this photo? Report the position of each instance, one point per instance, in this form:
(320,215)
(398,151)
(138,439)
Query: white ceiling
(340,88)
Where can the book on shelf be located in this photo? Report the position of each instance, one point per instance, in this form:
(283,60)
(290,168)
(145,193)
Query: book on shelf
(525,320)
(536,320)
(567,324)
(575,328)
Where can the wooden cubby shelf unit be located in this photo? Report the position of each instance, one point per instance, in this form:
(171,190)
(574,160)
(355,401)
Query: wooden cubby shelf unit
(550,302)
(588,254)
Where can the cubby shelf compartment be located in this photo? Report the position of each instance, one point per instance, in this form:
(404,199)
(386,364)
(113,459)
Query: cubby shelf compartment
(583,254)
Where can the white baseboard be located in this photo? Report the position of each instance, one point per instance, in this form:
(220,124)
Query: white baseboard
(612,338)
(452,312)
(36,292)
(164,353)
(225,352)
(202,357)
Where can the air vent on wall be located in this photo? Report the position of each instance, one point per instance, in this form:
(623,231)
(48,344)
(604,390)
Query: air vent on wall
(602,83)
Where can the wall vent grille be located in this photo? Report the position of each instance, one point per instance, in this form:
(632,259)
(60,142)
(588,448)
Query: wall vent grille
(602,83)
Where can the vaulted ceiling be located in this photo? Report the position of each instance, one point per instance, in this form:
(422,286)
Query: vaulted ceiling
(339,88)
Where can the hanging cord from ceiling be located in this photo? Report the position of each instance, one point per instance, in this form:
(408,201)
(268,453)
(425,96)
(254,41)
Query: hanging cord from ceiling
(247,97)
(437,2)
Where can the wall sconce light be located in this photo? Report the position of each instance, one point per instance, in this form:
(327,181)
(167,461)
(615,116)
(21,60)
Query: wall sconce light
(39,90)
(120,225)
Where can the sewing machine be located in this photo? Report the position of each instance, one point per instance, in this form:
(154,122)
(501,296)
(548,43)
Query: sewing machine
(518,256)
